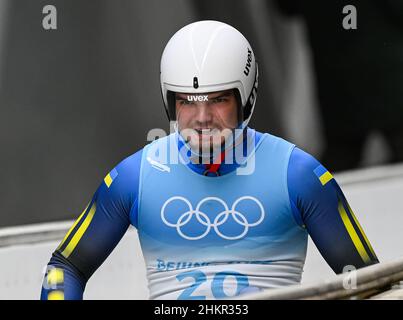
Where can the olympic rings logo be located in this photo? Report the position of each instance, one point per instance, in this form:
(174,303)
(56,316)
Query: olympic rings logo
(219,220)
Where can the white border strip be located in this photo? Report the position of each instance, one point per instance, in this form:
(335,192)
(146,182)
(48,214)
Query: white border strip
(35,233)
(372,174)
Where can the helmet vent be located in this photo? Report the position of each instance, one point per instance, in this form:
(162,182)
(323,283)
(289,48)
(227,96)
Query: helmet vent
(195,83)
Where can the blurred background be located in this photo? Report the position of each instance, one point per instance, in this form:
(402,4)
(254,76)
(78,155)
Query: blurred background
(76,100)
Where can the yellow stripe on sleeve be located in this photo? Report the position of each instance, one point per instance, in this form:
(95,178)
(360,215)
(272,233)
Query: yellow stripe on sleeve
(325,178)
(72,228)
(80,232)
(362,231)
(353,234)
(56,295)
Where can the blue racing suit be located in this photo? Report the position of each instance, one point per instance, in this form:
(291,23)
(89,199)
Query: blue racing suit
(213,236)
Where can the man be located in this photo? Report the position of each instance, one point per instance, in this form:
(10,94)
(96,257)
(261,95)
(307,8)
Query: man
(221,209)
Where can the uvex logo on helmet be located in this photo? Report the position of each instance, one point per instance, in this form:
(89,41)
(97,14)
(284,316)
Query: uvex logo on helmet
(197,98)
(248,62)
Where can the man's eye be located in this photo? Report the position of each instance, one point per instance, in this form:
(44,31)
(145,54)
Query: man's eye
(218,100)
(185,102)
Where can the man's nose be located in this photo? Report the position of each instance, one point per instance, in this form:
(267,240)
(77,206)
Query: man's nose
(204,113)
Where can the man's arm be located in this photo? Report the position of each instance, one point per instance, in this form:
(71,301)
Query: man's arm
(320,206)
(95,233)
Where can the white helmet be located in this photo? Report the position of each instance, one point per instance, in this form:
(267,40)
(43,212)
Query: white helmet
(208,56)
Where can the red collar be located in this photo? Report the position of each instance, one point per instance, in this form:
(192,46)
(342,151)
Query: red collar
(213,167)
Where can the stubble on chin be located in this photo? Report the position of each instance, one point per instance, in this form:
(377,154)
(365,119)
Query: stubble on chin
(208,145)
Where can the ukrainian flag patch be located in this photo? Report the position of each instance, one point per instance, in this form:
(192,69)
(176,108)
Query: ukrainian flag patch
(323,175)
(110,177)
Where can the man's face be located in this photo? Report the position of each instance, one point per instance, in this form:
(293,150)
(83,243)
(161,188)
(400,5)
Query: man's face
(205,120)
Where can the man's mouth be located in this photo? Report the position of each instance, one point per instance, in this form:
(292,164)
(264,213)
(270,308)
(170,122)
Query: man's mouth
(204,131)
(207,131)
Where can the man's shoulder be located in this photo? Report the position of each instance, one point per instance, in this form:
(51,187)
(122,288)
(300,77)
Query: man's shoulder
(259,134)
(306,171)
(302,162)
(274,141)
(125,172)
(299,158)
